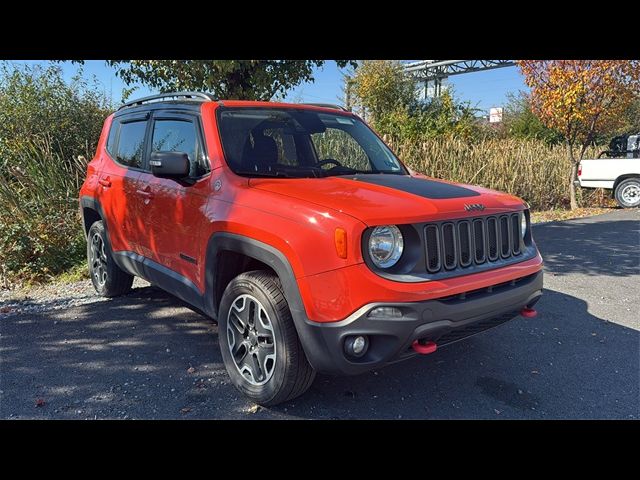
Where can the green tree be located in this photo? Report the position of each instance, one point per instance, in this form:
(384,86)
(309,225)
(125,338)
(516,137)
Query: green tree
(226,79)
(35,101)
(382,86)
(433,117)
(519,121)
(386,95)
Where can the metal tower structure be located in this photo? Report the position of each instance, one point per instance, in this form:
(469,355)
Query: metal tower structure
(432,72)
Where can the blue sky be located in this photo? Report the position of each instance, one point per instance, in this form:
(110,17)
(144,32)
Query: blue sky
(483,89)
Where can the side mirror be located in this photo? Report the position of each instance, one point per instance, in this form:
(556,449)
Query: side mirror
(169,164)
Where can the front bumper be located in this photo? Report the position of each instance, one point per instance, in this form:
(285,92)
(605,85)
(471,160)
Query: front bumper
(442,321)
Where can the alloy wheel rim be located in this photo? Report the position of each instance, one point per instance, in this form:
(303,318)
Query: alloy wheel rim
(631,194)
(251,340)
(98,259)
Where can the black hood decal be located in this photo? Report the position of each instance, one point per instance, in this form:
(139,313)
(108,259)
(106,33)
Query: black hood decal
(417,186)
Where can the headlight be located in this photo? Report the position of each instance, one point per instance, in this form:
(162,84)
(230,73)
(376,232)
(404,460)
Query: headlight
(523,225)
(386,246)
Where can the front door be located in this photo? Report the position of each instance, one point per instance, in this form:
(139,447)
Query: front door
(175,209)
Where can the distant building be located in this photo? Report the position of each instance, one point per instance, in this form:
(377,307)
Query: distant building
(495,115)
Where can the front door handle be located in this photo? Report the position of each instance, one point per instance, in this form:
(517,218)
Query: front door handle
(105,182)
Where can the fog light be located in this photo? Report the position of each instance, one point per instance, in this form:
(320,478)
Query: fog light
(385,312)
(356,346)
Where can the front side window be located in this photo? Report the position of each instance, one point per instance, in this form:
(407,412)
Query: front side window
(301,143)
(180,136)
(131,143)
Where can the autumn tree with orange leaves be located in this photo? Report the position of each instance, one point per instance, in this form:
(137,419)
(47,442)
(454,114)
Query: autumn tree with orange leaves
(580,99)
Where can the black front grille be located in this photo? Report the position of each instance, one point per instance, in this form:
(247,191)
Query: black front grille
(433,248)
(465,243)
(492,237)
(505,241)
(449,246)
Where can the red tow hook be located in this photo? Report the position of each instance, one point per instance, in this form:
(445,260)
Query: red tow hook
(424,348)
(528,312)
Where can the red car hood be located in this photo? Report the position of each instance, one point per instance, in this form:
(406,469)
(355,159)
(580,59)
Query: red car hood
(377,199)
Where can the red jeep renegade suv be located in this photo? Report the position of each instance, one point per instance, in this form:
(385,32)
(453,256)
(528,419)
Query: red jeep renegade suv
(301,233)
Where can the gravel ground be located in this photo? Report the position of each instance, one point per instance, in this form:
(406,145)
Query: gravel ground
(65,353)
(53,296)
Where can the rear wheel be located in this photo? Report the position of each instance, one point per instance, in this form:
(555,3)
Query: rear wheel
(107,278)
(259,342)
(627,193)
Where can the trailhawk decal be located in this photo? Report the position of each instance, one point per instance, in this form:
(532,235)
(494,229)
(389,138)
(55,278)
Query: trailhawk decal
(417,186)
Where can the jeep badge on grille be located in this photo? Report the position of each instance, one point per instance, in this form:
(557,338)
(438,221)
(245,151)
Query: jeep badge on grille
(471,207)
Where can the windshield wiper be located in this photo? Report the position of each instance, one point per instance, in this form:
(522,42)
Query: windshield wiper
(262,174)
(342,170)
(313,172)
(302,173)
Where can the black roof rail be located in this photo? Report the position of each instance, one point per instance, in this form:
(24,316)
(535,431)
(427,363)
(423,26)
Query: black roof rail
(327,105)
(197,96)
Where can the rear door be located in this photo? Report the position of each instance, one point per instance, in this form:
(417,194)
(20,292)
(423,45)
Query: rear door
(175,209)
(118,180)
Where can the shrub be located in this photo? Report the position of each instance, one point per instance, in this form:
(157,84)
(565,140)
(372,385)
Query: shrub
(36,100)
(45,124)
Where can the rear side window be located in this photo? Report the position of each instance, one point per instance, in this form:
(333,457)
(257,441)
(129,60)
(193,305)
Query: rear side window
(180,136)
(111,139)
(131,143)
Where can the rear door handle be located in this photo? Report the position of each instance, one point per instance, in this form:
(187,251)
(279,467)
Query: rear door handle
(146,193)
(105,182)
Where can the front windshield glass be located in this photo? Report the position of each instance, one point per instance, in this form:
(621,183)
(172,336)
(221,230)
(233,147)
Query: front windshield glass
(291,142)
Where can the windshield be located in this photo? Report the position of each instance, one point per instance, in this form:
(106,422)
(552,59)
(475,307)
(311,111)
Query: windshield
(301,143)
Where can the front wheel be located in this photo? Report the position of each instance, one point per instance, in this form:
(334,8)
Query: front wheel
(627,193)
(258,340)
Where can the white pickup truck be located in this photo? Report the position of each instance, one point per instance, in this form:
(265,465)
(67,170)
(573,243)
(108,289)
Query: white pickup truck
(622,173)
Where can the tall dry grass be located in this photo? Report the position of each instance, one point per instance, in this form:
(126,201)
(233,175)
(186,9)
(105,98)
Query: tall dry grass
(530,169)
(40,230)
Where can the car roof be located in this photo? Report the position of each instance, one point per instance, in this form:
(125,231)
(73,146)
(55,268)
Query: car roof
(193,101)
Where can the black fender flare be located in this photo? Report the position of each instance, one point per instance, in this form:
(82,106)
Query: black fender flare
(313,346)
(93,204)
(265,253)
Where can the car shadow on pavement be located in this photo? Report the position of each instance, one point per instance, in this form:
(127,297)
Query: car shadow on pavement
(146,355)
(126,357)
(565,363)
(590,247)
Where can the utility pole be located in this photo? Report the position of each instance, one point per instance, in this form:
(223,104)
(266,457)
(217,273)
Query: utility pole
(348,82)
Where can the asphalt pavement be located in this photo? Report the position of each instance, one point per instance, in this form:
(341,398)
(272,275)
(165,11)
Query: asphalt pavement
(148,356)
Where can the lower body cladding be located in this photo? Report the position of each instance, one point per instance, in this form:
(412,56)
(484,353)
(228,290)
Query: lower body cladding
(382,333)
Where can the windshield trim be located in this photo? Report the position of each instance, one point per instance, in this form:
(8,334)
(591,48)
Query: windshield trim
(221,108)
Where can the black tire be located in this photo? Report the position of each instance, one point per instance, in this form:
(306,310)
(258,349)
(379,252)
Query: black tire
(627,193)
(290,374)
(107,278)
